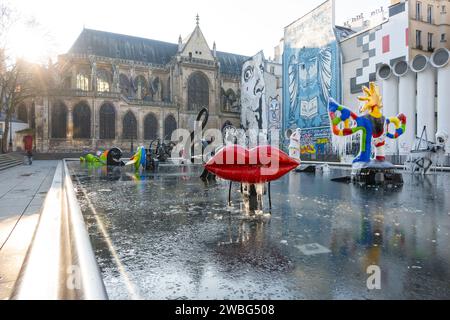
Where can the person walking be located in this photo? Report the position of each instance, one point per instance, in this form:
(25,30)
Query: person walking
(28,146)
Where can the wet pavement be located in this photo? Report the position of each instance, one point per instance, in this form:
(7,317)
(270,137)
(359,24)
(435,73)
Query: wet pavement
(171,236)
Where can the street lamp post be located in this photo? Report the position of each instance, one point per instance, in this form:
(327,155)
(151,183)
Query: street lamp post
(10,134)
(10,127)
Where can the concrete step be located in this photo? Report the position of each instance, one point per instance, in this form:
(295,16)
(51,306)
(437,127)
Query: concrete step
(10,160)
(10,166)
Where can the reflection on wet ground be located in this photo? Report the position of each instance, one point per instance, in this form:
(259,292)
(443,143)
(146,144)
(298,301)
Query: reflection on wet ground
(171,236)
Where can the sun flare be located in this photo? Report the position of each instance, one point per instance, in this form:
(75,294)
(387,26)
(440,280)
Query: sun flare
(29,43)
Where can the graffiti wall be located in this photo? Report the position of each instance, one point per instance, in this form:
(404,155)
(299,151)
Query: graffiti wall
(253,99)
(315,141)
(260,100)
(273,101)
(311,73)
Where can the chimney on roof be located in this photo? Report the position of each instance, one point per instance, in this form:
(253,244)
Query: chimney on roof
(214,50)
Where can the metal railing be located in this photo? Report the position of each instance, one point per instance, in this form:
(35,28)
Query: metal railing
(60,263)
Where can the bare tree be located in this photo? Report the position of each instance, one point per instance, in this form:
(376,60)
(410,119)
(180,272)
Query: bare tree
(19,80)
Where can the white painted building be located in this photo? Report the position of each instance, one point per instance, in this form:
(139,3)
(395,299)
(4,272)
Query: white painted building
(411,82)
(16,125)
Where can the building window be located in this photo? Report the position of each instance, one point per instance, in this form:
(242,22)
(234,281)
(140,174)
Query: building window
(443,9)
(418,10)
(82,82)
(430,41)
(22,113)
(141,85)
(198,92)
(124,85)
(430,14)
(170,125)
(59,120)
(419,39)
(129,124)
(150,127)
(81,121)
(443,38)
(103,81)
(107,121)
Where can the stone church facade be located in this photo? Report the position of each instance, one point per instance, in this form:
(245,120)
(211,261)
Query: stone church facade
(115,90)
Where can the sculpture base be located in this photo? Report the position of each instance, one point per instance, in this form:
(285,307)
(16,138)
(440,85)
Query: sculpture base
(307,169)
(376,173)
(252,196)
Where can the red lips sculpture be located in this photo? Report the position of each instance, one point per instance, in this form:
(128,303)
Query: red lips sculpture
(259,165)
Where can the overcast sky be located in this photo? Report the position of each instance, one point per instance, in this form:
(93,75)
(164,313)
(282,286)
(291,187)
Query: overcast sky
(244,26)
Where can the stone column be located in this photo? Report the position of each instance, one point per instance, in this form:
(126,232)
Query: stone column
(162,116)
(73,84)
(119,129)
(70,123)
(140,126)
(116,74)
(46,125)
(94,125)
(93,82)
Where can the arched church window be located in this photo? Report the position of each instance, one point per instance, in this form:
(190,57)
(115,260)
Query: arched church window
(59,120)
(107,121)
(198,92)
(83,81)
(231,96)
(81,121)
(129,126)
(22,113)
(124,84)
(103,81)
(170,125)
(141,85)
(150,127)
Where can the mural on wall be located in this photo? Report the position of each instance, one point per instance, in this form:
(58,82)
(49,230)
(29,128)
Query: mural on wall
(311,73)
(274,113)
(315,141)
(253,100)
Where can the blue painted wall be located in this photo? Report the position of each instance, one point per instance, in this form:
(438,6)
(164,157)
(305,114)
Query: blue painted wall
(311,74)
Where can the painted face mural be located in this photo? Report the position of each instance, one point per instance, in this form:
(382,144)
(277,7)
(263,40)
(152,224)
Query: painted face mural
(311,70)
(253,100)
(313,87)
